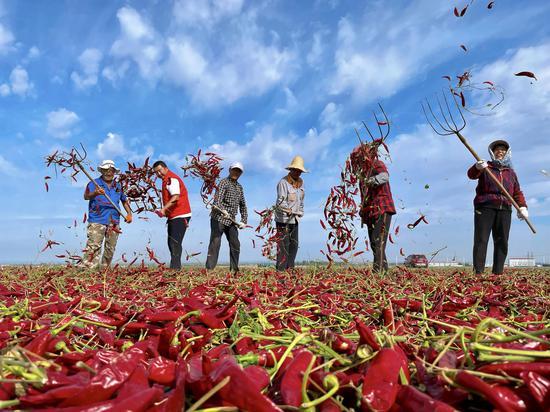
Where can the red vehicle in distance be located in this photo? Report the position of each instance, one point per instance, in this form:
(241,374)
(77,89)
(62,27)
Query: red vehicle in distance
(416,261)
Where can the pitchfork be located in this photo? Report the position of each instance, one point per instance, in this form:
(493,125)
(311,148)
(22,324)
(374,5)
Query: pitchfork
(78,159)
(448,125)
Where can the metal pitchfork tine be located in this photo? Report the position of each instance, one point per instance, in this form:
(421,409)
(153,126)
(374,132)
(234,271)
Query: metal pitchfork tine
(449,126)
(78,158)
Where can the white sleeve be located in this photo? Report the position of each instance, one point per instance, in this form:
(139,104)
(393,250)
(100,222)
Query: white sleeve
(174,187)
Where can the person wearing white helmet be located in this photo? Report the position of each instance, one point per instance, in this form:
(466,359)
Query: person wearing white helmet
(289,208)
(103,219)
(228,201)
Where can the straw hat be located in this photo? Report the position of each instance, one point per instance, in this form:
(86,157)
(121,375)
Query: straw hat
(499,143)
(297,163)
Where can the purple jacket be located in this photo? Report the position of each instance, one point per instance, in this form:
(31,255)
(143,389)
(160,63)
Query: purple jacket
(487,192)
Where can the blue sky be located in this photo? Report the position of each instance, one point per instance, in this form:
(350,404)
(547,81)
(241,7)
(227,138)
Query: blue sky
(261,82)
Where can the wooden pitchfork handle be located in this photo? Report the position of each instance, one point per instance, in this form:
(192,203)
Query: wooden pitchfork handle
(96,185)
(497,182)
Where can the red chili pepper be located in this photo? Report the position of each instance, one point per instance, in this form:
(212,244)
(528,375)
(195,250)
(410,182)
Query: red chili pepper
(162,370)
(539,387)
(381,381)
(516,368)
(108,380)
(411,399)
(258,375)
(40,343)
(501,397)
(175,401)
(366,335)
(291,384)
(240,391)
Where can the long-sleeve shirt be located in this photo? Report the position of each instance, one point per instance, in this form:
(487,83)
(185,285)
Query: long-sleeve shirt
(230,197)
(488,193)
(290,202)
(376,196)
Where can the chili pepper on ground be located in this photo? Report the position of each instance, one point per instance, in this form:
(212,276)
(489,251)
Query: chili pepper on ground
(240,390)
(162,370)
(366,335)
(381,381)
(175,400)
(108,380)
(411,399)
(539,387)
(516,368)
(501,397)
(291,383)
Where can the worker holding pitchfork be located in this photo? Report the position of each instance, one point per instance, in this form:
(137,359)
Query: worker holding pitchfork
(493,210)
(103,195)
(377,207)
(228,201)
(176,208)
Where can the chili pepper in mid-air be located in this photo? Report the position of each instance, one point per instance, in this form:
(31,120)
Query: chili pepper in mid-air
(381,381)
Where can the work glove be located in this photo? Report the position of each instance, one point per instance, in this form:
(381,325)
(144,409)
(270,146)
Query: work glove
(371,181)
(241,225)
(159,212)
(226,214)
(128,218)
(481,164)
(524,213)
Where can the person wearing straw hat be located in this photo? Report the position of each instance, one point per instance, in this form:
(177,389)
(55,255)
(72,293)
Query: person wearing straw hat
(103,218)
(492,209)
(289,208)
(228,201)
(176,208)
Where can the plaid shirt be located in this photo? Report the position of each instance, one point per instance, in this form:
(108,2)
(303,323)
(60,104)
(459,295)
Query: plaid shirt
(376,199)
(229,196)
(487,192)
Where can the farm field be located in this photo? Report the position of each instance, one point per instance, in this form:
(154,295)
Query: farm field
(148,339)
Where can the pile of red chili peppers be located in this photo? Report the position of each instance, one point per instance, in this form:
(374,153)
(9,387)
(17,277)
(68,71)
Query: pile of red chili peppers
(144,339)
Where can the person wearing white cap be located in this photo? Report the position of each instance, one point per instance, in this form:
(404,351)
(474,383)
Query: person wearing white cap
(228,201)
(289,208)
(103,218)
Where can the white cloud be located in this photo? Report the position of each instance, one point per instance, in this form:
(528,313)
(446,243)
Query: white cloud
(115,73)
(138,42)
(61,123)
(4,90)
(205,12)
(6,40)
(89,62)
(34,53)
(315,54)
(245,68)
(111,147)
(7,167)
(19,82)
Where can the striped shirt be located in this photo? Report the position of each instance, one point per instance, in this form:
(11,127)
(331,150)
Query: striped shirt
(230,197)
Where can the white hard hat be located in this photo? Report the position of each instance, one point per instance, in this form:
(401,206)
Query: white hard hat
(107,164)
(237,165)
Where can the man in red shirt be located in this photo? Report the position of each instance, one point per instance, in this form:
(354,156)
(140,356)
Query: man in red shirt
(377,205)
(175,208)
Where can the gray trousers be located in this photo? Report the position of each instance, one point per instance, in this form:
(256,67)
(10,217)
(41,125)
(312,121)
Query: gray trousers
(379,229)
(217,229)
(287,246)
